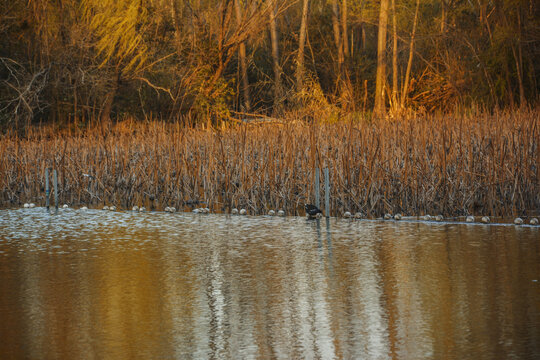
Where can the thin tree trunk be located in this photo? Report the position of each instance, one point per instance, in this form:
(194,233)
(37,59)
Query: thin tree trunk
(274,38)
(409,62)
(344,21)
(380,80)
(243,61)
(443,16)
(394,57)
(176,16)
(301,46)
(106,111)
(337,34)
(522,98)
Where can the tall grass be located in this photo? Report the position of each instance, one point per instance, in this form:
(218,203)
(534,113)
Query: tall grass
(453,165)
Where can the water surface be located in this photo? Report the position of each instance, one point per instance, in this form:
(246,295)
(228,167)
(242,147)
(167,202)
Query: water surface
(94,284)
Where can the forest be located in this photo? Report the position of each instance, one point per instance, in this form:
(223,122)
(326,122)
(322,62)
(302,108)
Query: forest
(416,106)
(74,62)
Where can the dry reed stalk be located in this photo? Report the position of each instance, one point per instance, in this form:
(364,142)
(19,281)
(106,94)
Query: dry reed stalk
(485,164)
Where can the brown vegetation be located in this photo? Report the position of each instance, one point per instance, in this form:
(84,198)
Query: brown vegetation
(454,165)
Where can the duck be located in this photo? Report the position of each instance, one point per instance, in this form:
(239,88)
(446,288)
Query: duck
(518,221)
(135,208)
(486,219)
(347,214)
(281,213)
(470,219)
(397,216)
(387,216)
(312,212)
(271,213)
(534,221)
(234,211)
(439,218)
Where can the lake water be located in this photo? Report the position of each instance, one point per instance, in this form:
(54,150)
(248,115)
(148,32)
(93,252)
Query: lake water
(111,285)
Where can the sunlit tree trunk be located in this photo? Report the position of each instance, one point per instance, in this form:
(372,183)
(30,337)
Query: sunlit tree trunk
(301,46)
(344,20)
(243,61)
(380,80)
(176,16)
(394,57)
(409,62)
(274,38)
(337,34)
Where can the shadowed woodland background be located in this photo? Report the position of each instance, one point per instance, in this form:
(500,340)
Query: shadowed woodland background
(76,61)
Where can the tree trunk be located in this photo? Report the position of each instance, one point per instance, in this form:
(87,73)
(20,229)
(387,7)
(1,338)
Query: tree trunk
(380,80)
(274,38)
(301,45)
(176,16)
(243,62)
(394,57)
(344,15)
(105,115)
(409,62)
(337,34)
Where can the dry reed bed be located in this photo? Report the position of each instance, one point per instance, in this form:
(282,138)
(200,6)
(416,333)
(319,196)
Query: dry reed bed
(481,164)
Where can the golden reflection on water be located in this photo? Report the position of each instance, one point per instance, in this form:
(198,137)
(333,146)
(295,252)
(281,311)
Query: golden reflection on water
(121,285)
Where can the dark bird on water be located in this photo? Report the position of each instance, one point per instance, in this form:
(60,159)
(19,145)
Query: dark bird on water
(312,211)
